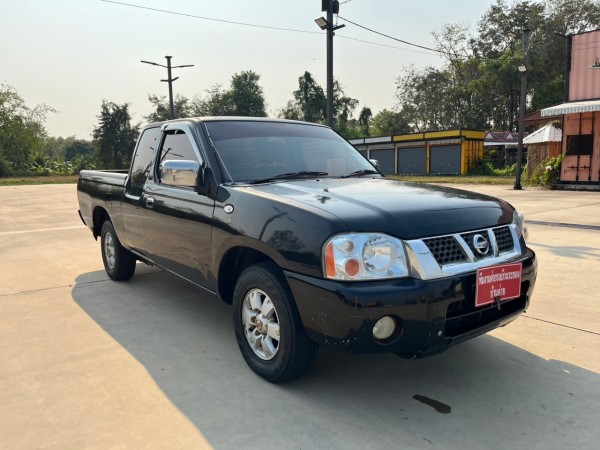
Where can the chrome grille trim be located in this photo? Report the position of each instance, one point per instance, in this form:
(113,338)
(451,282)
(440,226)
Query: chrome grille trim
(425,265)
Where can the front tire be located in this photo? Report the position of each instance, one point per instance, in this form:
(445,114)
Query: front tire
(267,325)
(119,262)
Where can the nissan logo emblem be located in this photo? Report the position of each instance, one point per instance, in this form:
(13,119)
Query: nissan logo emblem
(481,244)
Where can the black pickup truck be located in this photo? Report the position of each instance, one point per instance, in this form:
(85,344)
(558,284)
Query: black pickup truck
(308,241)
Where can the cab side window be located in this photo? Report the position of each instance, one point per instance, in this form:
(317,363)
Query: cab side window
(177,146)
(142,160)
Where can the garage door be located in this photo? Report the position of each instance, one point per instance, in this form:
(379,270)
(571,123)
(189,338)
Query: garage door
(445,159)
(412,161)
(387,160)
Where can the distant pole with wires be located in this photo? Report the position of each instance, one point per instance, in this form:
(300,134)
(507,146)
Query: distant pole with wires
(332,7)
(169,80)
(522,103)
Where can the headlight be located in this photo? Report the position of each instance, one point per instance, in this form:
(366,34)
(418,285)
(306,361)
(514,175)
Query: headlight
(364,256)
(519,221)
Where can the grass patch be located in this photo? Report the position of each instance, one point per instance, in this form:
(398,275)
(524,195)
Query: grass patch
(51,179)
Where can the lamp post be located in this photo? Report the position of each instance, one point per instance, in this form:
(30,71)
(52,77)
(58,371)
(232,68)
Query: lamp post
(330,6)
(169,80)
(523,99)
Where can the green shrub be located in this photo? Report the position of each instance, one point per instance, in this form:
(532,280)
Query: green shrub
(485,168)
(548,172)
(6,168)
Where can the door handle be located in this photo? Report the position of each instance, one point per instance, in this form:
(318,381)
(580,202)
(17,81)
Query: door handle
(149,202)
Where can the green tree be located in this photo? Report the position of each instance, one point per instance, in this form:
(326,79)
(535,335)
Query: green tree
(22,131)
(309,102)
(364,121)
(573,16)
(162,109)
(77,147)
(388,123)
(54,147)
(245,97)
(216,103)
(343,109)
(478,86)
(494,27)
(291,111)
(115,136)
(423,99)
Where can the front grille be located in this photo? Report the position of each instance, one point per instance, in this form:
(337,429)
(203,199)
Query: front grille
(453,254)
(445,250)
(504,239)
(468,237)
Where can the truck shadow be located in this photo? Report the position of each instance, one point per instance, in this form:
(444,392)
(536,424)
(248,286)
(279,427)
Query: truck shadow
(483,393)
(569,251)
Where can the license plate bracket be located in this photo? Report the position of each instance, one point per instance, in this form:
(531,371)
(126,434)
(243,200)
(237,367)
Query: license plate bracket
(497,283)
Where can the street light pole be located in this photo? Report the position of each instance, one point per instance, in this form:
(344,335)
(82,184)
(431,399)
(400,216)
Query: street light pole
(332,7)
(522,102)
(169,80)
(330,64)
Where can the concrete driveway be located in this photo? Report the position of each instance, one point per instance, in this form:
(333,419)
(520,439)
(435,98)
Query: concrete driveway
(86,362)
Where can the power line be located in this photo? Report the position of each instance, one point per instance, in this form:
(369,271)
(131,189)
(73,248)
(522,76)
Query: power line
(175,13)
(388,46)
(193,16)
(400,40)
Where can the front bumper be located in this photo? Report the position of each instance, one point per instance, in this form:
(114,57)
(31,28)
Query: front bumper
(432,315)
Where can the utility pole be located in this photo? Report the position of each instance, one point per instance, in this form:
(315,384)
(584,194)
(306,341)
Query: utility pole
(169,80)
(330,64)
(522,102)
(332,7)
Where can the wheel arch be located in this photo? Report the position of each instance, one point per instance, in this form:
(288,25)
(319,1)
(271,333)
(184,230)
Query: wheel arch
(234,262)
(99,216)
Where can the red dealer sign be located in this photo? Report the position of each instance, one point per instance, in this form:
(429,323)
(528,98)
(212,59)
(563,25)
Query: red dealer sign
(498,283)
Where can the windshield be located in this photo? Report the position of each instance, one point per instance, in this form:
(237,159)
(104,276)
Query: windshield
(253,151)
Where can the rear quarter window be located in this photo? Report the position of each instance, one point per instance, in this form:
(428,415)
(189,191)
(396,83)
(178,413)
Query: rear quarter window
(142,160)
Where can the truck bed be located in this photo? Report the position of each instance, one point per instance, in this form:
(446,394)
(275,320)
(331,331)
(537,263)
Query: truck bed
(100,188)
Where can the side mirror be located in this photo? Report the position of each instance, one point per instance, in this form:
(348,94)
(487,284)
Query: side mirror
(375,163)
(181,173)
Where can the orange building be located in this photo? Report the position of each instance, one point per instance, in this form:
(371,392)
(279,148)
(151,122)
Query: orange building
(581,111)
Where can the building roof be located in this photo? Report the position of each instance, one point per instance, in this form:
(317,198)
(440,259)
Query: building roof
(545,134)
(537,117)
(499,138)
(572,108)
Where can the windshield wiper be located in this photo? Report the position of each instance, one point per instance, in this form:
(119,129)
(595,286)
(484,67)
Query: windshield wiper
(360,173)
(289,176)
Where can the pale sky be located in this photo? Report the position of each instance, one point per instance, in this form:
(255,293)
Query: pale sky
(72,54)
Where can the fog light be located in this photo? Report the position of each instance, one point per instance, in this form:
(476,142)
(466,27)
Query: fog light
(384,328)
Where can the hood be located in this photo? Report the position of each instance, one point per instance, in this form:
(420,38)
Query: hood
(402,209)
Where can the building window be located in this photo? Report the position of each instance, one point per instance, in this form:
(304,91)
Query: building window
(582,144)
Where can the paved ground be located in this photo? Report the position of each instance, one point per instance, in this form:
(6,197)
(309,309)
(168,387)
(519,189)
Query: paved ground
(152,363)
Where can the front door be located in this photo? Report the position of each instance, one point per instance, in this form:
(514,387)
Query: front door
(577,164)
(178,222)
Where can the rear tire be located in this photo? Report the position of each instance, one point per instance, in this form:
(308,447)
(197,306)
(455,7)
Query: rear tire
(119,262)
(267,325)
